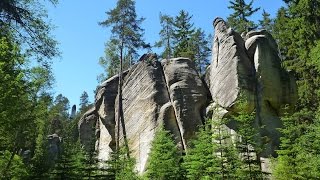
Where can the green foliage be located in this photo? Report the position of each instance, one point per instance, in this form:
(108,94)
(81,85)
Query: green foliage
(166,35)
(84,102)
(27,20)
(298,155)
(179,38)
(183,30)
(17,170)
(202,161)
(110,62)
(297,32)
(248,146)
(238,20)
(164,157)
(200,44)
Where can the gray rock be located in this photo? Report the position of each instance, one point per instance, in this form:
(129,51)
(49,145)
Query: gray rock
(188,95)
(275,88)
(230,78)
(145,99)
(87,128)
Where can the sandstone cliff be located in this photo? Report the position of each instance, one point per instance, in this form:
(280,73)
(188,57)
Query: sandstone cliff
(171,93)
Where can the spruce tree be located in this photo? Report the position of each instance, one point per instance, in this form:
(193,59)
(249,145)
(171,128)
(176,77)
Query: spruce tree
(239,19)
(201,160)
(164,157)
(297,32)
(248,146)
(183,30)
(293,153)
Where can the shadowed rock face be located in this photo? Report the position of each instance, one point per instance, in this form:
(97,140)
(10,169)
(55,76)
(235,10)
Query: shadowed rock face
(171,93)
(275,88)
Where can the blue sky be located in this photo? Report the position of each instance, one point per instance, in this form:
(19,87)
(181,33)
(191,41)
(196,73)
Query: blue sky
(81,39)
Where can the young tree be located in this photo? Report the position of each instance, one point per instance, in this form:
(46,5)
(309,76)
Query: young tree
(164,157)
(127,35)
(202,160)
(266,22)
(166,35)
(183,30)
(248,147)
(238,20)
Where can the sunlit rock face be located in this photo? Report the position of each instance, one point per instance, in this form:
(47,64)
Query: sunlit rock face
(245,75)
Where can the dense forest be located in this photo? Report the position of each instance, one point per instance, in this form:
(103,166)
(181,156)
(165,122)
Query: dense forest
(39,136)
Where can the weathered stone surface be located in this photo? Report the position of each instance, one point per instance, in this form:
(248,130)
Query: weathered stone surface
(87,127)
(145,99)
(274,86)
(187,95)
(231,74)
(104,105)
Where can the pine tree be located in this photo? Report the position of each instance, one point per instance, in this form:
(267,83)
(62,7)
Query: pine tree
(166,35)
(164,157)
(238,20)
(127,35)
(183,30)
(266,22)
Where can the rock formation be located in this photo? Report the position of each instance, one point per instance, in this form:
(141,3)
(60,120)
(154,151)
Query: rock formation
(244,75)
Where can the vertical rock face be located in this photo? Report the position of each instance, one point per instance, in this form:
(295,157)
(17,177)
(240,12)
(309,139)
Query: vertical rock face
(187,95)
(87,127)
(231,73)
(104,105)
(144,93)
(274,86)
(169,93)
